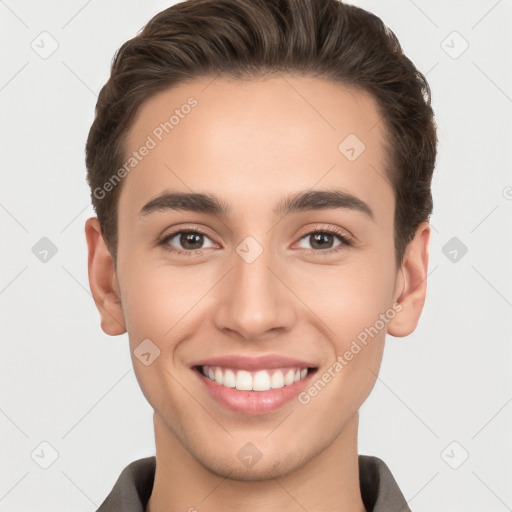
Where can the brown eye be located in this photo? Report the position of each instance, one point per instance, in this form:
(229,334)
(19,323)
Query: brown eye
(323,241)
(191,240)
(186,242)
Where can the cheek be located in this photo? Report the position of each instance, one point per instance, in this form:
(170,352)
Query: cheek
(156,296)
(348,299)
(158,304)
(352,310)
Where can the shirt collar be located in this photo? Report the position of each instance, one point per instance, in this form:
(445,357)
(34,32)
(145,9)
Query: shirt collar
(379,489)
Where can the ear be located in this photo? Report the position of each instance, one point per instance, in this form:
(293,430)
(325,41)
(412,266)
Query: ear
(413,281)
(103,280)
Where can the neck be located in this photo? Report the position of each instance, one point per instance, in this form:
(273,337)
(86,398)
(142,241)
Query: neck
(329,482)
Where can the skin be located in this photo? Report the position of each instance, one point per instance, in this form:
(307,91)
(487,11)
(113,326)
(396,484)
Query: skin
(292,301)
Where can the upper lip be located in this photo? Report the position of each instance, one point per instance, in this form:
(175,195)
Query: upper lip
(254,363)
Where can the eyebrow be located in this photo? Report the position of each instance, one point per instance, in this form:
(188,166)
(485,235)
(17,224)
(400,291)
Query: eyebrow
(298,202)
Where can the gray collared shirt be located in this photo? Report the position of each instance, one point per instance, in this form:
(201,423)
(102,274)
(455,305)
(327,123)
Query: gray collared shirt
(379,489)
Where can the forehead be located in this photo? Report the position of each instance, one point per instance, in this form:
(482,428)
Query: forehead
(243,139)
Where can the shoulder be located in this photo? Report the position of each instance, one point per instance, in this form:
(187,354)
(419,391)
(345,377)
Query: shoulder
(379,489)
(133,488)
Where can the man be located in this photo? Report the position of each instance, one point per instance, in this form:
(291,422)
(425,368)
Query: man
(261,174)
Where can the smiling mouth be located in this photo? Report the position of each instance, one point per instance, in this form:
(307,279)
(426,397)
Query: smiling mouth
(260,380)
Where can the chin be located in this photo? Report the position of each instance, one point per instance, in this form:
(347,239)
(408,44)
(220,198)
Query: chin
(262,470)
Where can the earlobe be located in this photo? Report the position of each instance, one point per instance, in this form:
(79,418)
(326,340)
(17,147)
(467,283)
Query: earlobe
(413,284)
(103,280)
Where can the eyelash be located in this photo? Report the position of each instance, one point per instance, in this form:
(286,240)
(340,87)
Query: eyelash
(342,236)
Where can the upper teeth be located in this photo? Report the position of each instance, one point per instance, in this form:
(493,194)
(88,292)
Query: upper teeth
(260,380)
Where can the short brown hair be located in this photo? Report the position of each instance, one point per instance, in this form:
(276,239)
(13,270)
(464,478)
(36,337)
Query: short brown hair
(250,38)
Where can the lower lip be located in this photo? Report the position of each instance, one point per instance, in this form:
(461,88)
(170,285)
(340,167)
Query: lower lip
(254,402)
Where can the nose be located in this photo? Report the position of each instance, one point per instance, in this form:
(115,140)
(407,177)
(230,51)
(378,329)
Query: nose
(256,298)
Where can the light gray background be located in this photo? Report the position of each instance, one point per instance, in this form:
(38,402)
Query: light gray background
(66,383)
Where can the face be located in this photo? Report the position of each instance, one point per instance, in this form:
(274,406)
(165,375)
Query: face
(268,276)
